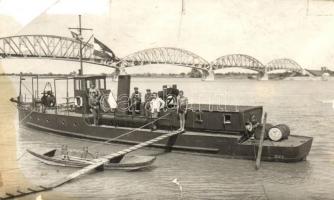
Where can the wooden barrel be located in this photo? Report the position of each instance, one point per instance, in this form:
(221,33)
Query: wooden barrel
(257,133)
(279,132)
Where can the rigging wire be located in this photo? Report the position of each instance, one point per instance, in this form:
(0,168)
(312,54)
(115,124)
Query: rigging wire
(27,88)
(183,12)
(25,117)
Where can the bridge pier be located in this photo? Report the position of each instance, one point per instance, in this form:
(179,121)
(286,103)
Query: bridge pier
(208,75)
(264,76)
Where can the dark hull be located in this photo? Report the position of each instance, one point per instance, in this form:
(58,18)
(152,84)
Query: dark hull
(294,149)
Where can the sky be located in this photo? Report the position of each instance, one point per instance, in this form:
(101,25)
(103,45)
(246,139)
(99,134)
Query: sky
(265,29)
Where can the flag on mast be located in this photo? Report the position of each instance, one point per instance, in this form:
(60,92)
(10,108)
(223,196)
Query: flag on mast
(101,50)
(75,35)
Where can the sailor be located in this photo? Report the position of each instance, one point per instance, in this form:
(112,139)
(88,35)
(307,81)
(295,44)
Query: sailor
(254,124)
(182,105)
(136,101)
(64,152)
(44,101)
(47,100)
(156,105)
(250,126)
(148,98)
(93,102)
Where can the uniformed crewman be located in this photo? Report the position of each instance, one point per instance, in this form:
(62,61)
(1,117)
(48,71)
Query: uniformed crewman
(136,101)
(148,98)
(93,102)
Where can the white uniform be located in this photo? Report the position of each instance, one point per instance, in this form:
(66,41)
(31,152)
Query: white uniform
(156,104)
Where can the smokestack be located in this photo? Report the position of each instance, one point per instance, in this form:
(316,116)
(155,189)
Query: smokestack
(123,93)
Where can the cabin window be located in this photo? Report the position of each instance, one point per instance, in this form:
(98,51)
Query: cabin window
(90,81)
(227,119)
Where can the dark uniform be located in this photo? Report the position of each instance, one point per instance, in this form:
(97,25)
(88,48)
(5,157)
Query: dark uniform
(136,101)
(148,98)
(94,104)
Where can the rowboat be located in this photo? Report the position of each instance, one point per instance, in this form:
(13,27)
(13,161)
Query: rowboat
(128,163)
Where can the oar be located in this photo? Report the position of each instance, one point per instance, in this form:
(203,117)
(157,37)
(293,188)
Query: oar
(259,152)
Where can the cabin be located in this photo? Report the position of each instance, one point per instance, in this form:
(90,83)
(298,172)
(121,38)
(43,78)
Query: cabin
(230,119)
(200,117)
(81,85)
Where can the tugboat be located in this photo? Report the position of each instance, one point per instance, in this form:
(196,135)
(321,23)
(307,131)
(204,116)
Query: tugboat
(219,130)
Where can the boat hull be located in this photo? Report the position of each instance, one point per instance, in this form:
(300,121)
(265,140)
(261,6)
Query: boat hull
(294,149)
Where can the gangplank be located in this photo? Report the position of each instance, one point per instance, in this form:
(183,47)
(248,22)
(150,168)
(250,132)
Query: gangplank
(99,162)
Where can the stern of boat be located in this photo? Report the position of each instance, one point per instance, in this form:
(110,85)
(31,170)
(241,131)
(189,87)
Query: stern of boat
(294,149)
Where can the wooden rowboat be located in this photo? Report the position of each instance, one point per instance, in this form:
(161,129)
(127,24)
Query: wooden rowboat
(128,163)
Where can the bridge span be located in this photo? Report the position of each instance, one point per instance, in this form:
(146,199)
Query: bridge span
(64,48)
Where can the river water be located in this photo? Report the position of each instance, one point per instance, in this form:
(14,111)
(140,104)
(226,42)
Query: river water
(306,106)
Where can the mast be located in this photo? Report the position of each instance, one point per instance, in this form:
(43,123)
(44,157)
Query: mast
(20,92)
(80,39)
(80,51)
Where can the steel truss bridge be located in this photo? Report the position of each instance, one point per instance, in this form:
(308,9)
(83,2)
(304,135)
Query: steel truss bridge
(165,55)
(284,64)
(64,48)
(48,47)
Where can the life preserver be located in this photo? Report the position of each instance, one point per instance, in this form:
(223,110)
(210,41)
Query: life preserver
(78,101)
(104,104)
(171,101)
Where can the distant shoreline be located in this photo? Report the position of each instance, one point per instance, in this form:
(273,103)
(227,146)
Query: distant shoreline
(235,76)
(238,76)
